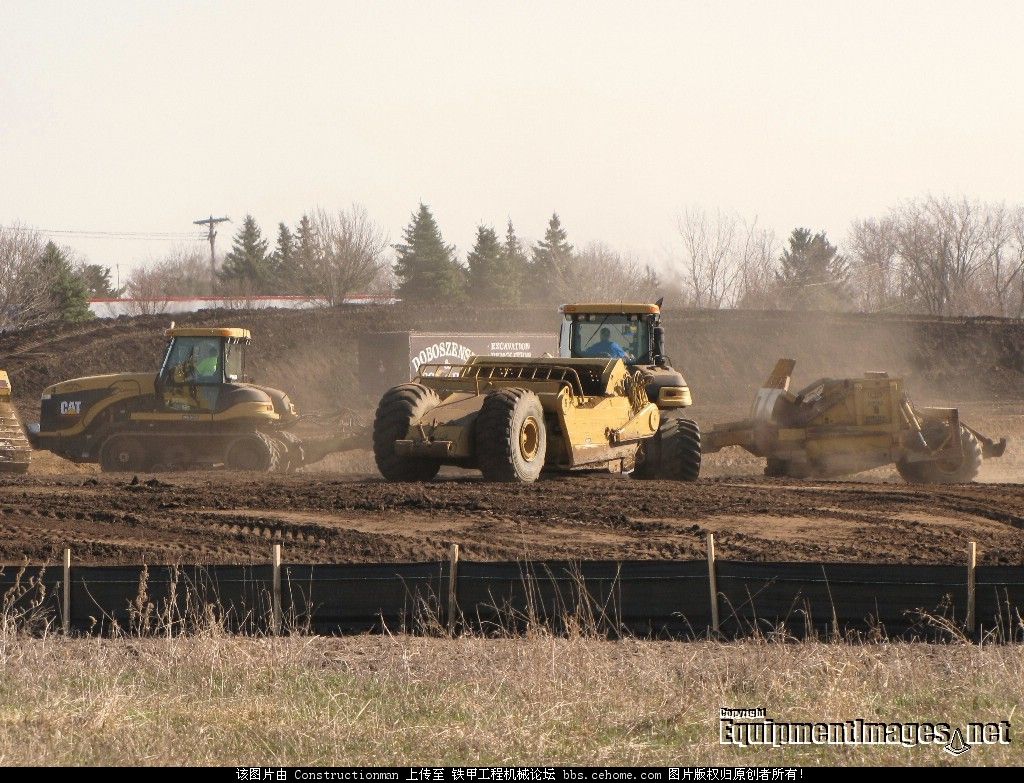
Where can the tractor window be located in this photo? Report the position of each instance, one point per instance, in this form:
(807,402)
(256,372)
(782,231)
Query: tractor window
(234,361)
(624,337)
(193,360)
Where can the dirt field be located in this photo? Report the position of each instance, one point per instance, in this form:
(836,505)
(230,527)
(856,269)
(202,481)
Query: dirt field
(325,517)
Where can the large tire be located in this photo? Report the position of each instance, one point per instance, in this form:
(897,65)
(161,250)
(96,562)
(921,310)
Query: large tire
(511,440)
(254,452)
(124,454)
(680,452)
(673,454)
(292,455)
(954,471)
(399,408)
(649,468)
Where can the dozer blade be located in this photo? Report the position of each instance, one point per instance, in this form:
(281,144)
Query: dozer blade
(15,450)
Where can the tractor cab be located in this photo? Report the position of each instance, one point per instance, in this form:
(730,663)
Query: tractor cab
(631,332)
(198,364)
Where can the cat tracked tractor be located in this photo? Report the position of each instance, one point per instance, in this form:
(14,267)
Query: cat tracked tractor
(835,427)
(14,446)
(199,410)
(610,402)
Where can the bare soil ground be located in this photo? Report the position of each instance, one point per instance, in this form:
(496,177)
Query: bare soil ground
(325,517)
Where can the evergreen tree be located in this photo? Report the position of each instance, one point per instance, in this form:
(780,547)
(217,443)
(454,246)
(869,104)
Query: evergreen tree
(550,271)
(306,255)
(812,274)
(485,267)
(426,267)
(514,264)
(96,279)
(68,294)
(285,262)
(247,263)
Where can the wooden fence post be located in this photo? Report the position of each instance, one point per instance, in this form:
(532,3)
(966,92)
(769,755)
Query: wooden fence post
(972,561)
(713,583)
(66,608)
(276,555)
(453,577)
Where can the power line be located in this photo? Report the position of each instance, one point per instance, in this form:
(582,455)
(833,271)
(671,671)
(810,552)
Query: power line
(90,234)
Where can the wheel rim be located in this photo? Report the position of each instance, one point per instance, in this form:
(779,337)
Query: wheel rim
(529,439)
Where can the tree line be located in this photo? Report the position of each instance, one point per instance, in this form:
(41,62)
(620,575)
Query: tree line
(329,256)
(933,255)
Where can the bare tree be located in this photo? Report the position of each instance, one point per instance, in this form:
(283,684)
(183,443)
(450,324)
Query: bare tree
(1017,260)
(876,274)
(727,261)
(942,256)
(758,261)
(1001,275)
(24,298)
(349,254)
(184,272)
(603,274)
(710,266)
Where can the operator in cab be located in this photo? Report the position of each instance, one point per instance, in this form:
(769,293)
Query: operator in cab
(207,368)
(606,346)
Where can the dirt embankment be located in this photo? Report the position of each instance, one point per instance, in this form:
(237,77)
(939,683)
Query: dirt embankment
(725,355)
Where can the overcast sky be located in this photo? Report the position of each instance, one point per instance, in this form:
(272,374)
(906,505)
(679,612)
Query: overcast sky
(144,116)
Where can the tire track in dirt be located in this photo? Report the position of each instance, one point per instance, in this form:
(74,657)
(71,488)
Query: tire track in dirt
(224,517)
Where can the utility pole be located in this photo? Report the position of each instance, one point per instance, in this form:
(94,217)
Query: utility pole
(211,236)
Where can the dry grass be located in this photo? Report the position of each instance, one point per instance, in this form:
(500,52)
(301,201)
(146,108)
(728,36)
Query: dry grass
(218,699)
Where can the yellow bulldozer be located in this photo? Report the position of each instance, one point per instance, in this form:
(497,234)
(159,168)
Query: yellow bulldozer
(609,402)
(835,427)
(14,446)
(199,410)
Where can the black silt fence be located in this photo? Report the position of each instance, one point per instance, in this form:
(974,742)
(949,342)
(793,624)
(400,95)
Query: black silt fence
(644,598)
